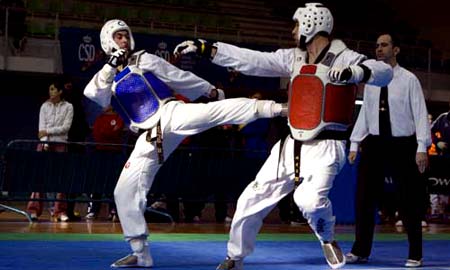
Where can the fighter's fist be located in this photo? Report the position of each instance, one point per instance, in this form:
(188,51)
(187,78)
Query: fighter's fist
(199,46)
(350,74)
(185,47)
(117,58)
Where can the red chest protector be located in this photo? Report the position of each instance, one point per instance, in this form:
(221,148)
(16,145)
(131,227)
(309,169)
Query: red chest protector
(316,104)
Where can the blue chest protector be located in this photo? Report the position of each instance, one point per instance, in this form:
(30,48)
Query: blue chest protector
(138,97)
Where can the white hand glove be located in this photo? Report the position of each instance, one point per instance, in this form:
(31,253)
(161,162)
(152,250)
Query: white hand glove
(199,46)
(350,74)
(107,74)
(117,58)
(185,47)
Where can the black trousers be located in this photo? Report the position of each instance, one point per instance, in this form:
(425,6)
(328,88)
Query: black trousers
(398,153)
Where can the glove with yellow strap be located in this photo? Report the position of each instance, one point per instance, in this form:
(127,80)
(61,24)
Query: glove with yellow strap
(199,46)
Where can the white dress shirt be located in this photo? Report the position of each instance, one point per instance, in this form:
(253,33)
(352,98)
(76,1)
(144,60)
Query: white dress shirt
(407,111)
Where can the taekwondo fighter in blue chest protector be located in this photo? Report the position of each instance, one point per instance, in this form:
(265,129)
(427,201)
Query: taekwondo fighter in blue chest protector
(143,93)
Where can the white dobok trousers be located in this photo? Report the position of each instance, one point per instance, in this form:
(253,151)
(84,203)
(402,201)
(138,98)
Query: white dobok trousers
(320,162)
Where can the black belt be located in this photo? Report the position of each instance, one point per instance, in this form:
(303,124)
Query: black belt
(297,154)
(324,135)
(159,141)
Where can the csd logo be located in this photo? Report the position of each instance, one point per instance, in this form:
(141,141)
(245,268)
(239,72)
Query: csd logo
(86,50)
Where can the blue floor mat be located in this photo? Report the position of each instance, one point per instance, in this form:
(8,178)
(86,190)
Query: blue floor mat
(268,255)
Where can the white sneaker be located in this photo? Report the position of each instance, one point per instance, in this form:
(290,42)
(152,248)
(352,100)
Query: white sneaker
(63,218)
(333,254)
(413,263)
(90,216)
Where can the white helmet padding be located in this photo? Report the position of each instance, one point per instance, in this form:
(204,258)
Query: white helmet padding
(107,35)
(312,19)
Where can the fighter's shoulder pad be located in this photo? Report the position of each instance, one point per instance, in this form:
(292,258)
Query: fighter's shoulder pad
(134,58)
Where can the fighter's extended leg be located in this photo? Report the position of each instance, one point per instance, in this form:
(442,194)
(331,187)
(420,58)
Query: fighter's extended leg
(190,118)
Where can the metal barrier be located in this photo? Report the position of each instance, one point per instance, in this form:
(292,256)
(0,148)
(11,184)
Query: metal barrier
(84,170)
(26,170)
(198,172)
